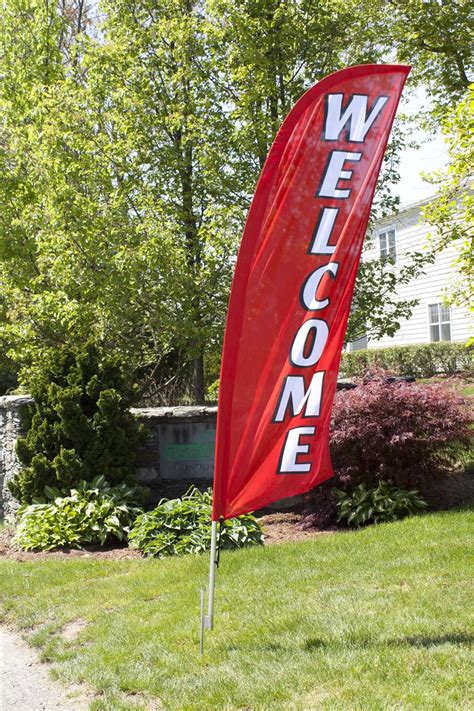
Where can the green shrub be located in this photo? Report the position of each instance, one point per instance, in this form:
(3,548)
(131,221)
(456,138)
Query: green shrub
(377,504)
(178,526)
(79,425)
(93,513)
(422,361)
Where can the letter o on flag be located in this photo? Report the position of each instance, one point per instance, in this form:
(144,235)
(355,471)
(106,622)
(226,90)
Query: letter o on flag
(318,330)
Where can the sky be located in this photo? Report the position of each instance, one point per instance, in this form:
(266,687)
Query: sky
(431,156)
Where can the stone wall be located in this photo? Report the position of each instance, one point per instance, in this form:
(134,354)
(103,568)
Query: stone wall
(178,451)
(10,429)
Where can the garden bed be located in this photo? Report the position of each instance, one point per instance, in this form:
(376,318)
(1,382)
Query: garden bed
(278,528)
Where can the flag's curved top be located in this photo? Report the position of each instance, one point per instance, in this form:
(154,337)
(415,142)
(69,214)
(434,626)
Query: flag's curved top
(293,287)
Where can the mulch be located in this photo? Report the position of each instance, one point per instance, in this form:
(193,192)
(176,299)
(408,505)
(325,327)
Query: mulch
(285,528)
(111,552)
(278,528)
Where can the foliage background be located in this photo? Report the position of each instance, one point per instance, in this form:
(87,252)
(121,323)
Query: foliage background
(131,139)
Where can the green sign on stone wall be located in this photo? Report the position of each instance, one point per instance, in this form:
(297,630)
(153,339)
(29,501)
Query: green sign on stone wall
(187,450)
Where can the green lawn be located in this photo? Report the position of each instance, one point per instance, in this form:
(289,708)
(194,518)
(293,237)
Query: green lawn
(468,390)
(376,619)
(464,386)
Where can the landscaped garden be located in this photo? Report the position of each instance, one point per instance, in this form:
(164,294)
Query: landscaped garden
(133,135)
(332,618)
(396,446)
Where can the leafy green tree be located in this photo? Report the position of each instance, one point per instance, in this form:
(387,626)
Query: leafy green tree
(74,263)
(184,181)
(117,220)
(130,145)
(451,214)
(435,36)
(267,54)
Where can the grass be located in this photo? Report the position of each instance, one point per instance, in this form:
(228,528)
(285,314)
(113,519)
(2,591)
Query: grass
(374,619)
(463,386)
(467,390)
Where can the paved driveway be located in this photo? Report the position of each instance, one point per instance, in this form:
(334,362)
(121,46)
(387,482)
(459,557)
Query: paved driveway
(26,684)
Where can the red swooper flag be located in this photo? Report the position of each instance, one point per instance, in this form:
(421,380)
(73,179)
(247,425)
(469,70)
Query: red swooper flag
(293,287)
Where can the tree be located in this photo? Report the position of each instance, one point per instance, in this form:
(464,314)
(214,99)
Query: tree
(452,212)
(130,147)
(435,37)
(183,161)
(268,53)
(126,231)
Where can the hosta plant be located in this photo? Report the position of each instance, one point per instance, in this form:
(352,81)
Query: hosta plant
(377,504)
(93,513)
(178,526)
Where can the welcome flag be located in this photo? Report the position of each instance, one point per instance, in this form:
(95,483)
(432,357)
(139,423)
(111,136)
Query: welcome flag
(293,287)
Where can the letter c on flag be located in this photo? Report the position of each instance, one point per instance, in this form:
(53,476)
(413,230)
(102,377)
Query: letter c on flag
(311,285)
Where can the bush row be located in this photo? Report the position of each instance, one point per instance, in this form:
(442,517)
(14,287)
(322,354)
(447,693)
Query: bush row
(422,361)
(389,439)
(97,513)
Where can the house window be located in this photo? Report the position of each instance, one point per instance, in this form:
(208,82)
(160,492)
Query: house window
(440,322)
(388,246)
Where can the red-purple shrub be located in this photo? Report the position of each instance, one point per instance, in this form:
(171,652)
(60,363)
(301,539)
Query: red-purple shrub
(404,433)
(320,510)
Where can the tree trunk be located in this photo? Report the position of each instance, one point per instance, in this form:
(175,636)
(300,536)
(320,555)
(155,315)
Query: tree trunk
(193,257)
(199,384)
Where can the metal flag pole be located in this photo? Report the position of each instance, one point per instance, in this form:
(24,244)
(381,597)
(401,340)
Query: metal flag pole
(208,620)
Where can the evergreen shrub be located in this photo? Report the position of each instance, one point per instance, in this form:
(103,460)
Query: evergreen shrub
(79,426)
(422,361)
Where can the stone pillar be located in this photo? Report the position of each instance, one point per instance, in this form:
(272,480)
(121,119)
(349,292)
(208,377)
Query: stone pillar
(10,430)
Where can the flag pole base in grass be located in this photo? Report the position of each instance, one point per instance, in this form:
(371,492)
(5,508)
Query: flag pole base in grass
(201,637)
(207,621)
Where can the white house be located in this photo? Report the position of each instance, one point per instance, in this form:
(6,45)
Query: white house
(394,237)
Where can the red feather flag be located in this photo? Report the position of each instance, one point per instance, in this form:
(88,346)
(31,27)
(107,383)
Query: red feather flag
(293,287)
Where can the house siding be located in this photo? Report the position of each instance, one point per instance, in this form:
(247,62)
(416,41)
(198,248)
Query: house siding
(427,288)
